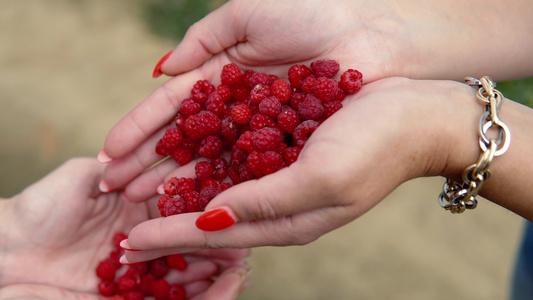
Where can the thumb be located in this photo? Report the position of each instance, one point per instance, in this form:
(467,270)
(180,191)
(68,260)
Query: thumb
(216,32)
(283,193)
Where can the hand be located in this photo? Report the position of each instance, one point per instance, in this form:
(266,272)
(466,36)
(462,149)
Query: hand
(415,39)
(56,232)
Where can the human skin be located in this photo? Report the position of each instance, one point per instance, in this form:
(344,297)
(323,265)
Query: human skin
(55,232)
(399,129)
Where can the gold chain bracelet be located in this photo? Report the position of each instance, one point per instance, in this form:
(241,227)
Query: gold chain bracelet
(457,197)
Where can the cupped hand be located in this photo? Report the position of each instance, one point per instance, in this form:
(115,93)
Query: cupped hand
(393,130)
(56,232)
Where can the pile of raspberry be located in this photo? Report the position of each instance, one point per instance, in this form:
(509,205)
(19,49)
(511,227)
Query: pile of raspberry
(251,125)
(139,280)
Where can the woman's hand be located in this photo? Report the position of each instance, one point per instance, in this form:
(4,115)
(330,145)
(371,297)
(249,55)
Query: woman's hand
(56,232)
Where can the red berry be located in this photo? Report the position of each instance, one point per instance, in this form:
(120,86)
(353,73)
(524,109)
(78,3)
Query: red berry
(117,238)
(281,89)
(351,81)
(270,107)
(189,107)
(245,173)
(241,114)
(107,288)
(160,288)
(325,68)
(126,283)
(220,168)
(240,92)
(296,98)
(291,155)
(172,139)
(182,155)
(215,105)
(208,183)
(308,85)
(204,170)
(310,108)
(271,162)
(224,186)
(303,132)
(192,198)
(224,91)
(177,261)
(331,107)
(133,295)
(175,206)
(245,141)
(260,121)
(260,78)
(161,202)
(201,91)
(139,268)
(176,292)
(206,195)
(288,120)
(159,267)
(146,282)
(247,76)
(325,89)
(267,139)
(297,73)
(259,92)
(185,185)
(201,125)
(254,163)
(231,74)
(210,147)
(106,269)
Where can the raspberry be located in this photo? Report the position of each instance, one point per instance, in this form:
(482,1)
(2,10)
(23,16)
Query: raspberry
(176,261)
(224,91)
(117,238)
(291,155)
(201,90)
(107,288)
(106,270)
(308,85)
(133,295)
(220,168)
(231,74)
(182,155)
(339,93)
(245,141)
(260,78)
(229,131)
(160,288)
(281,89)
(203,170)
(254,163)
(215,105)
(238,155)
(224,186)
(139,268)
(190,107)
(161,202)
(325,68)
(206,195)
(267,139)
(310,108)
(245,173)
(126,283)
(331,107)
(325,89)
(176,292)
(296,98)
(259,92)
(241,114)
(175,206)
(240,92)
(233,174)
(270,106)
(192,199)
(288,120)
(297,73)
(185,185)
(146,282)
(171,139)
(208,183)
(210,147)
(271,162)
(303,131)
(247,76)
(351,81)
(260,121)
(159,268)
(201,125)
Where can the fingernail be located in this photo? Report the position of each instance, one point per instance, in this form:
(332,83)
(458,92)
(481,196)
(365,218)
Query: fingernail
(157,70)
(161,189)
(126,246)
(104,188)
(125,197)
(103,158)
(123,260)
(216,219)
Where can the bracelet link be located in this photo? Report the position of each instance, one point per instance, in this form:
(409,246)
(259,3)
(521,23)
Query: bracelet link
(457,197)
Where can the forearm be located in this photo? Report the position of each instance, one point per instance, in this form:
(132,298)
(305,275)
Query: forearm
(453,39)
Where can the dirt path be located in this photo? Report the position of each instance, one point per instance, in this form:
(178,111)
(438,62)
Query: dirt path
(69,70)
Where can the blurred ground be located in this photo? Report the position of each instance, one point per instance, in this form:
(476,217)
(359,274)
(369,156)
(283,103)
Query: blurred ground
(69,70)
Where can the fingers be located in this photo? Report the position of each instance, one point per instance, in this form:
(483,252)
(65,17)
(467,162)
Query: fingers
(158,110)
(211,35)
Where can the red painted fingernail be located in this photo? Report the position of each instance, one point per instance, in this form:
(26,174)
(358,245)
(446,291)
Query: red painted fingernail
(126,246)
(123,260)
(216,219)
(125,197)
(157,70)
(104,187)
